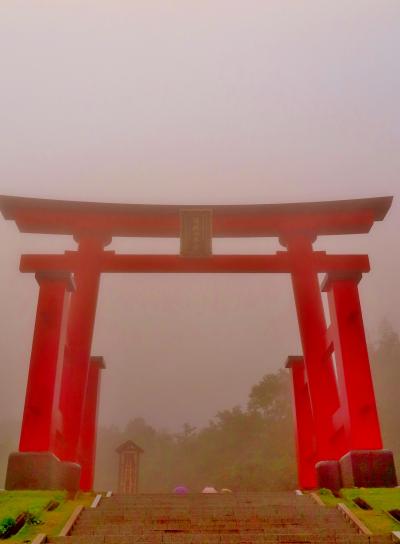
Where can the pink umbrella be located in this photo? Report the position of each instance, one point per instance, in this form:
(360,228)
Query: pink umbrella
(181,490)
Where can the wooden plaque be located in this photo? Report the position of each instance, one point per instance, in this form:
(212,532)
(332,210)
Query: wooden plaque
(196,232)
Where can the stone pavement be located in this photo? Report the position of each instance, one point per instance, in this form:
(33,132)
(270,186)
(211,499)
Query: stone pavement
(237,518)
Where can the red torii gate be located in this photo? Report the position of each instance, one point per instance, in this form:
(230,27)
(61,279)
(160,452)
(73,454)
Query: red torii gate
(338,434)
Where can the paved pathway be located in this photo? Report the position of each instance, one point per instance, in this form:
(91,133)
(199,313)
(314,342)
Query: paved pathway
(239,518)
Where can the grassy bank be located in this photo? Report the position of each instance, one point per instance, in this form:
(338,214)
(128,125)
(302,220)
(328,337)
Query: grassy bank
(13,503)
(380,499)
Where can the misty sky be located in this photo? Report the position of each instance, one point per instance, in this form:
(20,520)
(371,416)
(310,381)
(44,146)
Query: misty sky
(194,102)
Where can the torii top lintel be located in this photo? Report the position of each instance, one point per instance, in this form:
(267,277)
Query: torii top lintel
(35,215)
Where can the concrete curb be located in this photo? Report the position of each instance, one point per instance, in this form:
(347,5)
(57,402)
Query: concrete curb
(353,519)
(39,539)
(96,501)
(316,498)
(72,520)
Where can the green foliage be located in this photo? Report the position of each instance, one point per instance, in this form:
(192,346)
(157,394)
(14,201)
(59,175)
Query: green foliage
(240,449)
(32,519)
(6,524)
(271,396)
(32,503)
(37,518)
(244,449)
(12,503)
(325,492)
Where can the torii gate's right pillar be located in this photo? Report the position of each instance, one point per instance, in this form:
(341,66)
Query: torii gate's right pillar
(334,399)
(365,463)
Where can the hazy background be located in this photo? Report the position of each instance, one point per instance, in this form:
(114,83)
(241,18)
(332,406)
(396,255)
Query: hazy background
(194,102)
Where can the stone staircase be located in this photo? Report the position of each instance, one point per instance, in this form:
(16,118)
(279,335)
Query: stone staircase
(240,518)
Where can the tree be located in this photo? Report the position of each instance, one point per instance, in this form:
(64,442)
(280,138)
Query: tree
(243,449)
(272,396)
(385,362)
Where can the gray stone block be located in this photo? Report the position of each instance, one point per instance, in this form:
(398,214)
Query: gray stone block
(41,470)
(368,468)
(329,475)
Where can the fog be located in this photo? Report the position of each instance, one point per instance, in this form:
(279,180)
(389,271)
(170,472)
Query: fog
(196,103)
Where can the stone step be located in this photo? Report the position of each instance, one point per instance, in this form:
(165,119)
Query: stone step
(209,503)
(104,505)
(213,523)
(95,517)
(260,522)
(212,512)
(210,522)
(206,499)
(289,528)
(282,538)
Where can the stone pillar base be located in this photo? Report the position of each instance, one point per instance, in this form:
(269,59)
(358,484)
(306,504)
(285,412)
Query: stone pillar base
(368,468)
(41,470)
(329,475)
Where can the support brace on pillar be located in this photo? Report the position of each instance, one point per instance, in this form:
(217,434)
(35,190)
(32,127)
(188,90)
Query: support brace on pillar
(87,445)
(304,425)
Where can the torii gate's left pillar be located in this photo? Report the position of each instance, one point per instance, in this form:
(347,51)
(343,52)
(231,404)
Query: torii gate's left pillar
(35,465)
(59,425)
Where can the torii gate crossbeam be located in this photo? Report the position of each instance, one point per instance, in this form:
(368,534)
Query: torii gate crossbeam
(111,262)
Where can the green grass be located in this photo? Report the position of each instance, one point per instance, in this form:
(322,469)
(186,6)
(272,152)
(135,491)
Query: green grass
(12,503)
(381,500)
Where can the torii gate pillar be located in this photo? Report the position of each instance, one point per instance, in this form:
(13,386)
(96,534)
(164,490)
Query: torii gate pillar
(304,424)
(87,444)
(364,463)
(36,465)
(318,365)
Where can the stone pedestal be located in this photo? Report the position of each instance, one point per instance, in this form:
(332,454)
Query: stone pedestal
(368,468)
(329,475)
(41,470)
